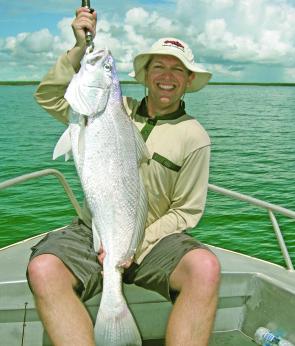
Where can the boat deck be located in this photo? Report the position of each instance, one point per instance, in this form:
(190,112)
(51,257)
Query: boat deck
(233,337)
(253,293)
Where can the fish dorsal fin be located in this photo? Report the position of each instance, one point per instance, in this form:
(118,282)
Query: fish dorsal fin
(63,146)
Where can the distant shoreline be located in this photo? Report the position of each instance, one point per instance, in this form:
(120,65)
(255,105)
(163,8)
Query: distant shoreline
(252,83)
(20,83)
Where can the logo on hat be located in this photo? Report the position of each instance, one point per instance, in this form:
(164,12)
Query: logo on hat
(173,43)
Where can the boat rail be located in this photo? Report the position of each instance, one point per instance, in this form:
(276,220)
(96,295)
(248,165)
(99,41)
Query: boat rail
(42,173)
(271,208)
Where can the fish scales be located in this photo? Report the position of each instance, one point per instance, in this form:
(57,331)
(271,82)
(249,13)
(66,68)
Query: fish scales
(114,164)
(107,150)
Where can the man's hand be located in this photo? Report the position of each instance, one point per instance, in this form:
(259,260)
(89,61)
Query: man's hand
(85,21)
(123,264)
(126,263)
(101,255)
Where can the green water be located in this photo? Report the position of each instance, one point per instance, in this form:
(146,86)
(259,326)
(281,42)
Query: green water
(252,129)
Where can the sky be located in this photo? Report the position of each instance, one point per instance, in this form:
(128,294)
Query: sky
(236,40)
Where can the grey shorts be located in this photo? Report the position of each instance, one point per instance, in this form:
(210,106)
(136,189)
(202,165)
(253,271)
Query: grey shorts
(74,246)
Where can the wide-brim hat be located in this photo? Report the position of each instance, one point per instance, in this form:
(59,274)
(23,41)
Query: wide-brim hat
(178,49)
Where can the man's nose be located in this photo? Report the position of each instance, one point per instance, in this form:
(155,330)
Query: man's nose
(167,74)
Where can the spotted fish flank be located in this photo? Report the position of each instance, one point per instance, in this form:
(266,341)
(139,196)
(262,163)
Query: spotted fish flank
(107,149)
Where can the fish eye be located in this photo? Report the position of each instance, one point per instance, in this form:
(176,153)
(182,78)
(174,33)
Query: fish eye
(107,67)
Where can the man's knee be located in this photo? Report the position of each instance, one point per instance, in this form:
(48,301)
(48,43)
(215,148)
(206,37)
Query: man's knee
(204,266)
(46,271)
(198,267)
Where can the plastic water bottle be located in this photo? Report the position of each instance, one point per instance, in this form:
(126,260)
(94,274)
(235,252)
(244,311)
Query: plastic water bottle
(265,337)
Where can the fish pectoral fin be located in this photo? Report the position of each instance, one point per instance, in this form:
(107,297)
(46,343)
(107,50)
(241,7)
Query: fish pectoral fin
(68,155)
(63,146)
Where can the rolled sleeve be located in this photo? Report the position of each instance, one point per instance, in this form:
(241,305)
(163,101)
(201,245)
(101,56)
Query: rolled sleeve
(50,92)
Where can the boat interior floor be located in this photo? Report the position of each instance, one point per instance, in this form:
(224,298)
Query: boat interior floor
(233,337)
(253,293)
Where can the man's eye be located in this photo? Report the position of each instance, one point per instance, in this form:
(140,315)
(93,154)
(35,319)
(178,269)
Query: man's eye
(179,69)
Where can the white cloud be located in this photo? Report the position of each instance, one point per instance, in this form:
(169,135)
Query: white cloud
(272,47)
(137,17)
(243,31)
(289,74)
(219,4)
(29,43)
(64,40)
(133,36)
(65,29)
(103,25)
(220,39)
(10,43)
(151,24)
(37,42)
(222,33)
(224,71)
(216,40)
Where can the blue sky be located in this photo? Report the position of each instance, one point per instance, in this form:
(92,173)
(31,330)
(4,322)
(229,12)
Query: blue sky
(237,40)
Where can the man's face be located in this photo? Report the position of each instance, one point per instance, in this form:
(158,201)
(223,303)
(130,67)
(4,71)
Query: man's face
(166,79)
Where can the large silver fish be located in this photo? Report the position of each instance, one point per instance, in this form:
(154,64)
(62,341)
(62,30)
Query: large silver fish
(107,150)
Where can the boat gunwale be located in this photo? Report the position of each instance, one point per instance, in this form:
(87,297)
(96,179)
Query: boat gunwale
(214,188)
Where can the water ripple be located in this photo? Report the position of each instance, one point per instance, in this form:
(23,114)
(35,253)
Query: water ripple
(252,131)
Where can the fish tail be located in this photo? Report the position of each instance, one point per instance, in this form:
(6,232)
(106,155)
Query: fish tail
(115,324)
(116,330)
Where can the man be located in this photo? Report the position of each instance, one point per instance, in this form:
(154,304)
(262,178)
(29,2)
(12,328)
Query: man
(64,268)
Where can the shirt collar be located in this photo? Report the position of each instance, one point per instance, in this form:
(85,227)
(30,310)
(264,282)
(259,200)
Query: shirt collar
(142,110)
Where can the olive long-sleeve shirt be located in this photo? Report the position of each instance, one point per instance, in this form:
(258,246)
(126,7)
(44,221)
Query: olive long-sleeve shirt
(175,177)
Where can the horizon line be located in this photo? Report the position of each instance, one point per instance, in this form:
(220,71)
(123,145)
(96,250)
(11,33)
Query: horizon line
(35,82)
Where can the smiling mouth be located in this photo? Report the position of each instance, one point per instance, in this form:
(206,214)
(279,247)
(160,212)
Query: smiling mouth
(166,87)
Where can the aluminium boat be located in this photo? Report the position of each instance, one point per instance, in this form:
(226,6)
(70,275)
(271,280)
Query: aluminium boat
(253,293)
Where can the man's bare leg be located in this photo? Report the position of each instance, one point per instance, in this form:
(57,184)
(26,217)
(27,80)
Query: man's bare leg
(196,277)
(63,315)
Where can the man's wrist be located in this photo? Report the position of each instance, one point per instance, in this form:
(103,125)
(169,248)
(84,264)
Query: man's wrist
(75,56)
